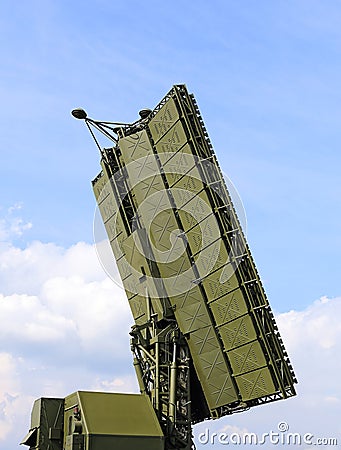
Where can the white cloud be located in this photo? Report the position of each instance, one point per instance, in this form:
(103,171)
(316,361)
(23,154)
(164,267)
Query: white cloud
(318,323)
(126,383)
(26,319)
(26,270)
(233,429)
(12,226)
(65,301)
(13,403)
(313,338)
(64,326)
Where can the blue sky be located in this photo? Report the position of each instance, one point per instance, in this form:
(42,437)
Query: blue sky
(266,76)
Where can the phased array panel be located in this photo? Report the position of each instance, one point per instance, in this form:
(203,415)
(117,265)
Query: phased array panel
(179,244)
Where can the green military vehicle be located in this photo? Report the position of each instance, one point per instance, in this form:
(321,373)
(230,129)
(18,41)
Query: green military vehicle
(205,343)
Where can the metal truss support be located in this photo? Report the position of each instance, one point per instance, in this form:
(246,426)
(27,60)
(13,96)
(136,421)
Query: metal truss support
(162,365)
